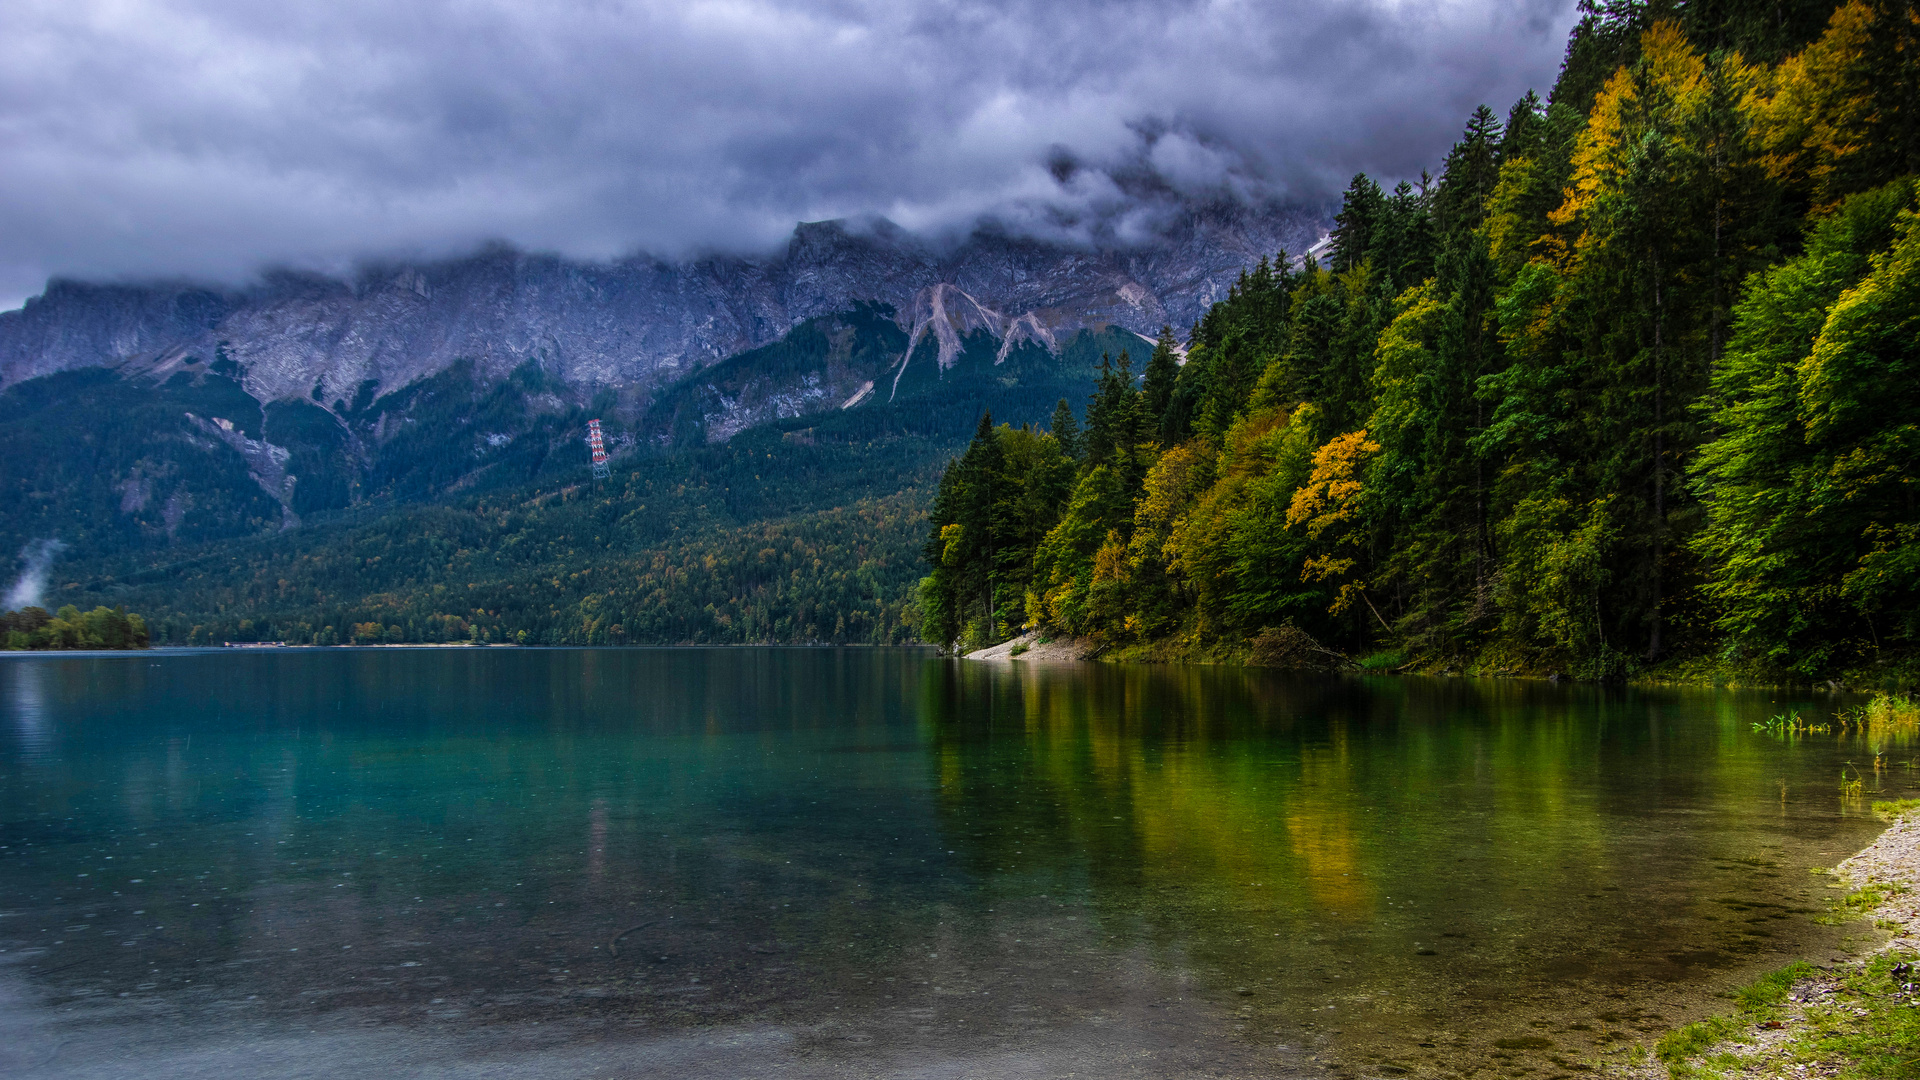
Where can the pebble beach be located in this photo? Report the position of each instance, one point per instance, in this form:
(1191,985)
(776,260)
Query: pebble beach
(1888,872)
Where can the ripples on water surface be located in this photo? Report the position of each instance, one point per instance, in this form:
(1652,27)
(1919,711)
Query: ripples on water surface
(879,862)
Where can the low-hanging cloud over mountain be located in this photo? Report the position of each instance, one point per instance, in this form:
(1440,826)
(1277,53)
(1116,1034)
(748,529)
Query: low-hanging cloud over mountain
(208,138)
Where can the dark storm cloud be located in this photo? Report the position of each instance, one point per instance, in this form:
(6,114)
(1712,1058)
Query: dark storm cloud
(211,137)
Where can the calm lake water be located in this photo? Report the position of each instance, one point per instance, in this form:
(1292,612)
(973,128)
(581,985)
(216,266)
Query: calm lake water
(794,863)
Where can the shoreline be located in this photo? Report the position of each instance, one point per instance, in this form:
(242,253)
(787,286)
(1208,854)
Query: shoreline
(1031,645)
(1803,1020)
(1808,1020)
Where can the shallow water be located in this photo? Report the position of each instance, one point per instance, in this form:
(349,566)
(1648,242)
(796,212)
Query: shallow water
(780,862)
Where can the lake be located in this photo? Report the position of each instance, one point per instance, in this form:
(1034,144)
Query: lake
(882,862)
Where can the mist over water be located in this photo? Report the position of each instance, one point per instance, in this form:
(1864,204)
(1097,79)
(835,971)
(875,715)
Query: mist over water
(36,564)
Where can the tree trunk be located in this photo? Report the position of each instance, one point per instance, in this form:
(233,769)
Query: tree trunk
(1659,457)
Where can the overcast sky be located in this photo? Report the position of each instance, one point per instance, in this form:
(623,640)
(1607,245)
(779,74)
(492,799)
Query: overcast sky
(210,138)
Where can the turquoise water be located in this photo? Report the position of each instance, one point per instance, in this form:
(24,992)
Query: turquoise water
(881,862)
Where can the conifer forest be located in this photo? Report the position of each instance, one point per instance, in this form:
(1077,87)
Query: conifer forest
(1631,384)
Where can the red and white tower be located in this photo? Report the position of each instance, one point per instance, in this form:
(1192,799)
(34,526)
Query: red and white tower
(598,443)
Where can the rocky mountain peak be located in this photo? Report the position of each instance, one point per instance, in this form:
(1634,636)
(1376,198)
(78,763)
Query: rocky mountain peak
(638,323)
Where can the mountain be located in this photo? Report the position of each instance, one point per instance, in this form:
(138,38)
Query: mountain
(144,416)
(801,529)
(635,324)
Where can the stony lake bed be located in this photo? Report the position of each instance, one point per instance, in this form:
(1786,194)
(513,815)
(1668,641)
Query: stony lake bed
(881,862)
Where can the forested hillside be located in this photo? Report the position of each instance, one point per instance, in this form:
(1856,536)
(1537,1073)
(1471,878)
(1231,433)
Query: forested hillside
(801,530)
(1634,381)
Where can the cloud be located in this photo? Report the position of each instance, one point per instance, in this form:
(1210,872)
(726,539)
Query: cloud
(212,137)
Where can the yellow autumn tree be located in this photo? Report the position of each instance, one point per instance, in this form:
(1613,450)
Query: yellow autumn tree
(1817,119)
(1329,506)
(1657,102)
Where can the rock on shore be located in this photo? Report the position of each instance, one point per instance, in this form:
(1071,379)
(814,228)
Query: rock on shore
(1031,646)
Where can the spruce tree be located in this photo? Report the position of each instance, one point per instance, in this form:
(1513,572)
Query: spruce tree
(1156,387)
(1402,247)
(1360,210)
(1107,409)
(1473,167)
(1525,134)
(1528,342)
(1066,431)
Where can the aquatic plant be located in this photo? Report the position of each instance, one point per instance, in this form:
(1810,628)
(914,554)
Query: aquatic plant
(1892,710)
(1851,788)
(1790,723)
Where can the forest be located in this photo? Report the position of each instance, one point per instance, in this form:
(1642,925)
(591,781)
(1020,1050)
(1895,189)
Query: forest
(804,530)
(70,628)
(1629,387)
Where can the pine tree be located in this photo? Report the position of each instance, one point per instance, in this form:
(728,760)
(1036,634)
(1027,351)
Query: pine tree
(1525,132)
(1156,386)
(1353,227)
(1066,431)
(1472,169)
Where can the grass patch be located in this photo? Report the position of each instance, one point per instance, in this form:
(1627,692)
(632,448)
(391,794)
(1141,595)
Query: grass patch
(1861,1023)
(1772,988)
(1677,1046)
(1382,662)
(1757,1001)
(1018,649)
(1856,904)
(1887,810)
(1870,1027)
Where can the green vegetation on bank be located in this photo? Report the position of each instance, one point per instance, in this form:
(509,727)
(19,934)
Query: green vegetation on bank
(1758,1001)
(1633,383)
(70,628)
(1857,1022)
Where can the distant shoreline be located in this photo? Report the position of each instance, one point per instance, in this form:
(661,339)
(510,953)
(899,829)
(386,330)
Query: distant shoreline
(249,647)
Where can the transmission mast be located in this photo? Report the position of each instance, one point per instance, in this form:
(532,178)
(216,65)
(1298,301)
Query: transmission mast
(598,444)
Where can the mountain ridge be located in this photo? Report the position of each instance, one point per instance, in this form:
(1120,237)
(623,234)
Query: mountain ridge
(634,324)
(141,418)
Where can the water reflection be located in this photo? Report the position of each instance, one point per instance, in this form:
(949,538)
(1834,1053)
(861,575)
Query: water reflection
(1432,862)
(27,707)
(883,856)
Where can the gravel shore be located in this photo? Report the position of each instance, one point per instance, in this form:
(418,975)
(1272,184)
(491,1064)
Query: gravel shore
(1777,1047)
(1893,861)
